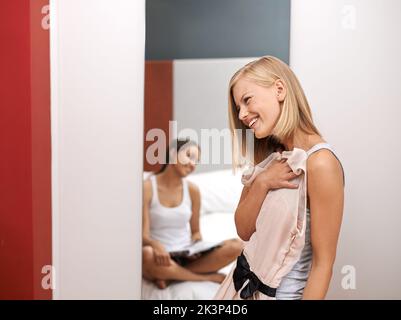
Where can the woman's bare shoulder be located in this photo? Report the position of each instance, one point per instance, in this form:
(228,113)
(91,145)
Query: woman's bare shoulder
(193,189)
(323,159)
(147,188)
(323,164)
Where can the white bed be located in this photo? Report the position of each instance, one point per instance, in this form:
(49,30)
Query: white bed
(220,192)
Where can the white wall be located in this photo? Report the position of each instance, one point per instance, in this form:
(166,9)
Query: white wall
(200,89)
(347,56)
(97,62)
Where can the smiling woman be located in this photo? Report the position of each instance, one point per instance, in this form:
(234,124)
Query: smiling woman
(257,105)
(263,101)
(171,222)
(266,96)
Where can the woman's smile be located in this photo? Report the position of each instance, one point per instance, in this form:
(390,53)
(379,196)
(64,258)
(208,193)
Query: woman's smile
(253,123)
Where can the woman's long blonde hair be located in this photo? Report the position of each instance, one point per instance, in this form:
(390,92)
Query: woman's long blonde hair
(295,111)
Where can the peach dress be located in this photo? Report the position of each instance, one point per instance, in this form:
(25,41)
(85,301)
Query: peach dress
(277,244)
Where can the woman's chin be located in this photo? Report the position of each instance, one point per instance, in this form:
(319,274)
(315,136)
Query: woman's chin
(259,134)
(185,173)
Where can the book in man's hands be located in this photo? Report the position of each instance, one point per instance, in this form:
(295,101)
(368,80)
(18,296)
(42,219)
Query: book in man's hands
(194,248)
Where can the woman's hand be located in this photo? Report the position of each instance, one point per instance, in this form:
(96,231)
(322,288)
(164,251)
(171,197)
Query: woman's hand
(278,175)
(196,236)
(162,257)
(194,257)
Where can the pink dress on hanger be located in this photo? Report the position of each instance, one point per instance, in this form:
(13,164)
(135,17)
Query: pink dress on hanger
(277,243)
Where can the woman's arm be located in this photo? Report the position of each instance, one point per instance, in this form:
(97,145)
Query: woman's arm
(248,208)
(196,201)
(252,197)
(162,257)
(326,199)
(147,197)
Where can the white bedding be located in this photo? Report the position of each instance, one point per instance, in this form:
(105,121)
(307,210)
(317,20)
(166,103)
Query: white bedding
(220,192)
(187,290)
(214,226)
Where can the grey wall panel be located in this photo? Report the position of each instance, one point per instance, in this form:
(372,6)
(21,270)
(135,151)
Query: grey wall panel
(187,29)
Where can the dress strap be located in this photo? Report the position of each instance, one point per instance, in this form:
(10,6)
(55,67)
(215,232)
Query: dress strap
(318,146)
(153,181)
(185,192)
(325,145)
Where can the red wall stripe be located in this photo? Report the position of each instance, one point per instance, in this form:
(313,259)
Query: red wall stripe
(41,143)
(25,208)
(158,101)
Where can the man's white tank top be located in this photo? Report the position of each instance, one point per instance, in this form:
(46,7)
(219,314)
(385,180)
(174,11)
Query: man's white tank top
(170,226)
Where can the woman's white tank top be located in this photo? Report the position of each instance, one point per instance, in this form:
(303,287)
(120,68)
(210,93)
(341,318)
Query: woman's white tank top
(170,226)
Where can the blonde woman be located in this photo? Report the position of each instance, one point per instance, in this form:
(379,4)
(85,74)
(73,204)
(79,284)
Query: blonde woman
(266,97)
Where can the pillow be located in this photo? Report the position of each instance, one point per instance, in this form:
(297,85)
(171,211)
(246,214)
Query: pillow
(220,190)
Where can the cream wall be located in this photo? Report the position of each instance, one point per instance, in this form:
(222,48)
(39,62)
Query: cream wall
(97,62)
(347,56)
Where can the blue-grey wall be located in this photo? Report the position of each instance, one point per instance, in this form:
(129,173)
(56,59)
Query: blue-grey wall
(185,29)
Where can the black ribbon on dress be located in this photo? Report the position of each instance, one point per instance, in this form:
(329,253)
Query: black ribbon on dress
(242,273)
